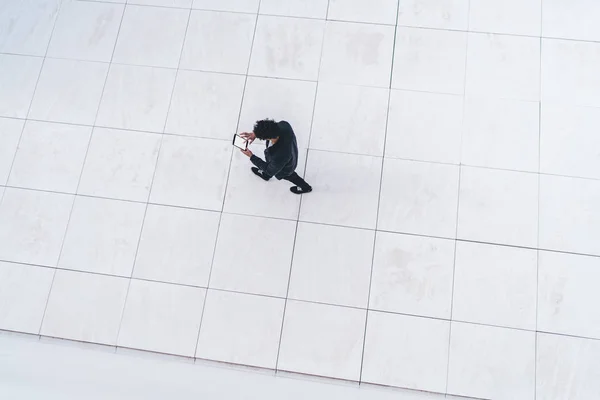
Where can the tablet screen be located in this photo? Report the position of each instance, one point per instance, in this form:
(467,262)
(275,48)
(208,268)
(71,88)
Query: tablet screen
(240,142)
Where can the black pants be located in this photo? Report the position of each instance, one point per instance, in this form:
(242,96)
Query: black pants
(296,180)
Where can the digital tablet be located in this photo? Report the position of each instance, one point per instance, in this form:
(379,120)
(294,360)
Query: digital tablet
(240,142)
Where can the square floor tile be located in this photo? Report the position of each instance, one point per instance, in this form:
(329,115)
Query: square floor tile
(575,19)
(412,275)
(295,8)
(206,104)
(18,79)
(287,48)
(241,266)
(516,17)
(50,156)
(350,119)
(246,6)
(163,3)
(120,164)
(424,126)
(569,141)
(322,340)
(241,329)
(295,104)
(181,177)
(357,54)
(161,317)
(32,225)
(29,26)
(568,295)
(151,36)
(85,307)
(570,214)
(441,14)
(501,133)
(503,66)
(218,41)
(332,265)
(498,207)
(10,133)
(491,363)
(24,291)
(86,30)
(103,236)
(69,91)
(177,245)
(418,197)
(567,367)
(406,351)
(569,72)
(495,285)
(136,98)
(346,189)
(430,60)
(376,12)
(248,194)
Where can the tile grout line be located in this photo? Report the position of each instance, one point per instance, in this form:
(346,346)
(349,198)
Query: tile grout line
(460,168)
(384,311)
(379,310)
(586,178)
(313,150)
(15,157)
(301,196)
(423,317)
(241,108)
(160,142)
(348,21)
(226,182)
(82,166)
(539,179)
(406,233)
(206,71)
(387,119)
(456,242)
(216,364)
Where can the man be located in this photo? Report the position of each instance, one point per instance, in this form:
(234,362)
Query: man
(281,154)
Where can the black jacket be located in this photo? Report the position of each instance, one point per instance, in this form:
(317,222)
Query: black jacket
(282,157)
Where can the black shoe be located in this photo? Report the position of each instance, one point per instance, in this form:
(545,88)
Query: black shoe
(299,190)
(258,173)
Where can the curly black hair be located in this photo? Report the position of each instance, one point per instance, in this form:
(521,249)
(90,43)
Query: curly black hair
(266,129)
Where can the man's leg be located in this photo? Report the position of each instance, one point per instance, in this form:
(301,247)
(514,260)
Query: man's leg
(259,173)
(301,185)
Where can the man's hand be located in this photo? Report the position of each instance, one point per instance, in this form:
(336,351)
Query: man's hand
(249,136)
(247,153)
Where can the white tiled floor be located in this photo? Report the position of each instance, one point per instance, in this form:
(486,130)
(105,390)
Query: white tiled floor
(18,81)
(50,156)
(334,271)
(102,236)
(176,245)
(161,317)
(218,41)
(86,31)
(136,98)
(241,328)
(491,362)
(69,91)
(452,241)
(406,351)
